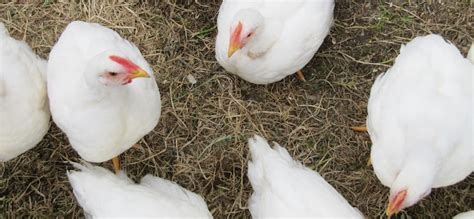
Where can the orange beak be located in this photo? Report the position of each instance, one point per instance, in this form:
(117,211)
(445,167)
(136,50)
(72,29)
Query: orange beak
(139,73)
(234,43)
(395,203)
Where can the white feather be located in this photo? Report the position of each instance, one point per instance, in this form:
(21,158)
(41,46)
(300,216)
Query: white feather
(420,119)
(465,215)
(103,194)
(285,188)
(24,112)
(292,33)
(100,121)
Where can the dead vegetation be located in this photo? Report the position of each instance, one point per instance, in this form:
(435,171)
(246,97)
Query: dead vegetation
(200,141)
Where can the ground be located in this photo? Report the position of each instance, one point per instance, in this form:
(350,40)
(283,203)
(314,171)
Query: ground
(200,141)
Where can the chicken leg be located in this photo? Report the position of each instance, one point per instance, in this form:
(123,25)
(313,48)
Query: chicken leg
(116,160)
(116,164)
(362,128)
(300,76)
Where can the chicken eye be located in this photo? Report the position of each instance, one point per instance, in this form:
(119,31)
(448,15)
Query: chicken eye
(113,74)
(249,35)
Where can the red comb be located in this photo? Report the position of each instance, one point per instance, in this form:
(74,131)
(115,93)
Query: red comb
(235,37)
(127,64)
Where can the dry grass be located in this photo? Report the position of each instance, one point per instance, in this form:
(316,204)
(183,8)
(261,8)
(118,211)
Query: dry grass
(200,140)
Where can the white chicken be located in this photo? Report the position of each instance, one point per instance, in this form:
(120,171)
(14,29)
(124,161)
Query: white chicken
(263,41)
(103,194)
(420,121)
(24,112)
(284,188)
(92,96)
(465,215)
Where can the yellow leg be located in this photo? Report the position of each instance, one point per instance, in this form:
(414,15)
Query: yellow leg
(116,164)
(359,128)
(362,129)
(300,76)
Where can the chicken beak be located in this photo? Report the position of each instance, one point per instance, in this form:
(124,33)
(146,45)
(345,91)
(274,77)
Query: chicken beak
(139,73)
(234,43)
(395,203)
(389,211)
(233,47)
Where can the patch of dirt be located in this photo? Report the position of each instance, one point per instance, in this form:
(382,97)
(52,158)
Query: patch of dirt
(200,141)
